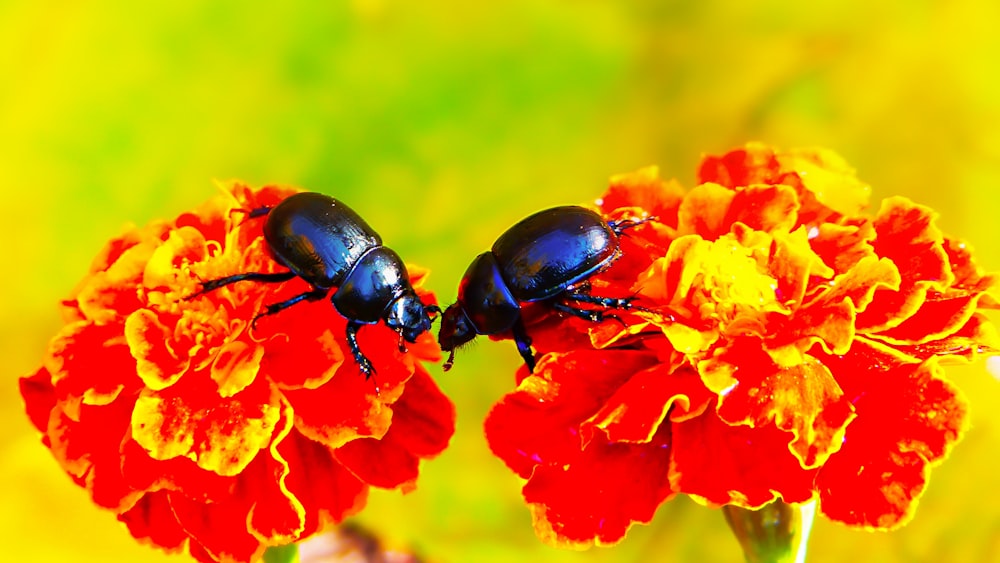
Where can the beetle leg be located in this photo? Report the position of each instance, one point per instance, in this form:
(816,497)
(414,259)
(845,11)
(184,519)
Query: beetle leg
(608,302)
(312,295)
(523,342)
(259,211)
(625,224)
(212,285)
(352,343)
(592,315)
(252,213)
(450,361)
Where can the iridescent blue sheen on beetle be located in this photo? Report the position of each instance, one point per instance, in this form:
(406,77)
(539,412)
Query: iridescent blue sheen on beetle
(547,256)
(327,244)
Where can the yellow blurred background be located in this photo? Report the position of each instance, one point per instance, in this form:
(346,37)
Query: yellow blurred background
(442,123)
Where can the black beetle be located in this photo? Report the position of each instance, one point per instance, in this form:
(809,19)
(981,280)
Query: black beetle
(547,256)
(327,244)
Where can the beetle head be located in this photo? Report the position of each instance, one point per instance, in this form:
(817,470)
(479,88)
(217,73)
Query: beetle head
(456,330)
(409,317)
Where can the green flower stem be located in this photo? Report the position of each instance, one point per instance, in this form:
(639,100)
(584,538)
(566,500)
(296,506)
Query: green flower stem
(282,554)
(775,533)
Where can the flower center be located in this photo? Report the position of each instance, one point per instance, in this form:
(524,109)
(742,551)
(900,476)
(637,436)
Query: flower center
(731,290)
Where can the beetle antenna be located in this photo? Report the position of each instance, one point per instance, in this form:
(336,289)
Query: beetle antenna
(402,343)
(433,312)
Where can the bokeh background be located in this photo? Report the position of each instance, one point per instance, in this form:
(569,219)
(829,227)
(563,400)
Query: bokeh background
(442,123)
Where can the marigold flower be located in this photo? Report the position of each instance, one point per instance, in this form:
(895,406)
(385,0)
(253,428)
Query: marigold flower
(788,347)
(200,430)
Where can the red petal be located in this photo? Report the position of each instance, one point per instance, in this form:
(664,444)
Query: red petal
(39,397)
(303,353)
(163,272)
(143,473)
(906,234)
(939,316)
(828,316)
(539,424)
(277,517)
(858,285)
(190,419)
(151,519)
(801,398)
(842,247)
(343,409)
(978,336)
(328,492)
(703,211)
(236,366)
(90,364)
(382,463)
(644,189)
(149,340)
(828,183)
(394,369)
(968,273)
(873,491)
(597,494)
(90,451)
(638,408)
(116,247)
(212,226)
(220,528)
(755,164)
(908,416)
(423,419)
(422,423)
(793,264)
(725,464)
(109,294)
(764,208)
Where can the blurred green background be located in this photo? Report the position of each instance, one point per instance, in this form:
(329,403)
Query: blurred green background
(443,123)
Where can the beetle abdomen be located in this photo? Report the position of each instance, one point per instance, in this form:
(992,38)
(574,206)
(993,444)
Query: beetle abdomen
(552,249)
(318,237)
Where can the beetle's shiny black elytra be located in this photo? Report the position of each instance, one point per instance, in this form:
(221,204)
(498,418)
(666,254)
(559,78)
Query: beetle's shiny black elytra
(328,245)
(547,256)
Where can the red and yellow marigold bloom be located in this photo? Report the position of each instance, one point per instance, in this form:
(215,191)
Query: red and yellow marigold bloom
(202,430)
(788,346)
